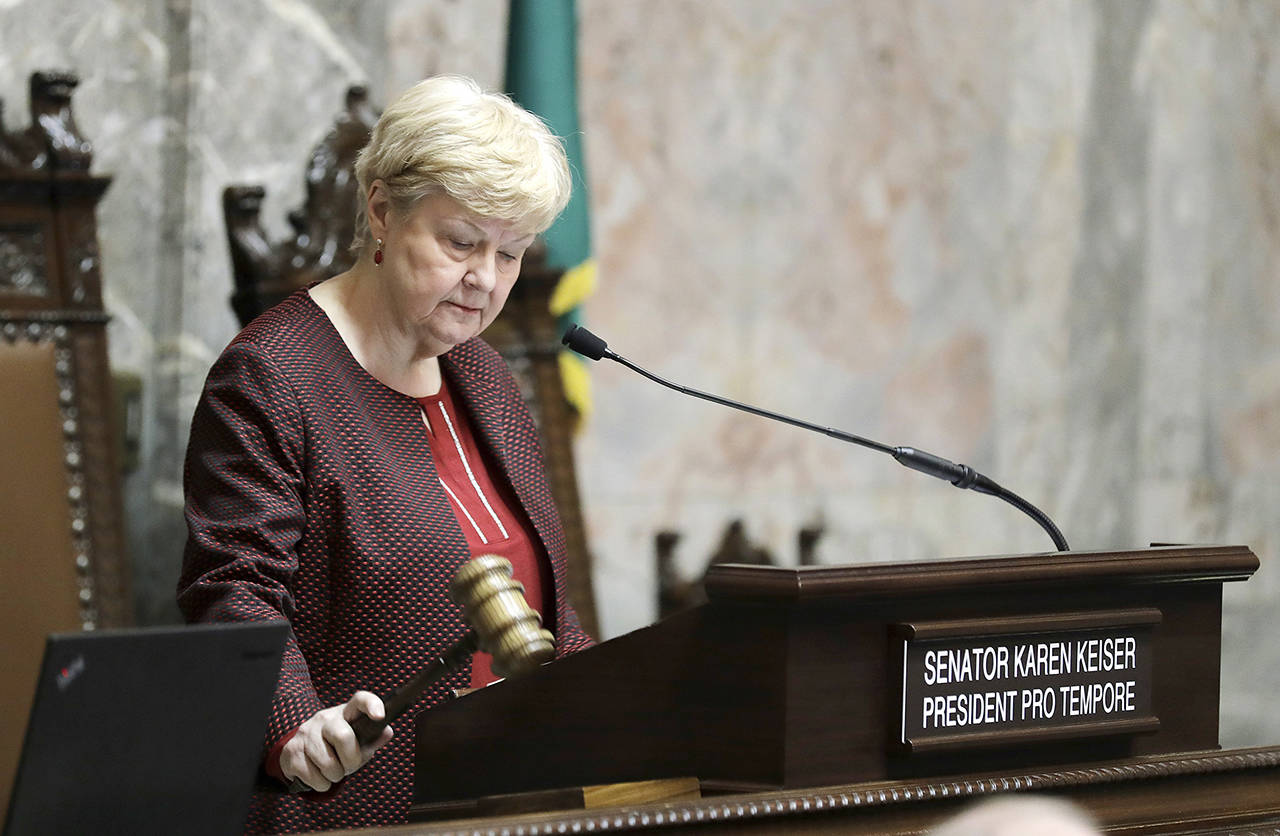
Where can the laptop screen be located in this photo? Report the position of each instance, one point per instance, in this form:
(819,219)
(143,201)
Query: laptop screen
(155,730)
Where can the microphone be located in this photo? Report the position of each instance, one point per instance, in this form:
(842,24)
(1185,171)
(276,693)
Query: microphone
(587,344)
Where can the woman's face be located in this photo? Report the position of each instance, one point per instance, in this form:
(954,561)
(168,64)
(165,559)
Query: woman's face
(447,269)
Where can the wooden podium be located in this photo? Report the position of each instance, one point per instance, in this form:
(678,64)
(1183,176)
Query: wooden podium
(896,676)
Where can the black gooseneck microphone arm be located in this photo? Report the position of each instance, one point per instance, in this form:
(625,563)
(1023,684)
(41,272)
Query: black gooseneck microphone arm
(961,475)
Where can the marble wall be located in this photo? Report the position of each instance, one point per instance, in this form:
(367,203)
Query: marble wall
(1042,238)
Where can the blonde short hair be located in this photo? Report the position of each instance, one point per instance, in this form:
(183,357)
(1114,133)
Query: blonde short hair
(446,134)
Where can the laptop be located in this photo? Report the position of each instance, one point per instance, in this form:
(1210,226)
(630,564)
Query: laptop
(153,730)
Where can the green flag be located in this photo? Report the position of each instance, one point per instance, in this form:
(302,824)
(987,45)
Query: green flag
(542,75)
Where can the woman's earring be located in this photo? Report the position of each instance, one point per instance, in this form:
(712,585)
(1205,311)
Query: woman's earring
(377,254)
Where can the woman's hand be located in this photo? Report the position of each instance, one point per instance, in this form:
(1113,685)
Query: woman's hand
(325,750)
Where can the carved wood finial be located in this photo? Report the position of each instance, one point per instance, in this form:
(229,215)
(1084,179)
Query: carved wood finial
(323,226)
(807,543)
(675,593)
(52,141)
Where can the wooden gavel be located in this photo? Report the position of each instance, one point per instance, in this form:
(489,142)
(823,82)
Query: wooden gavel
(502,624)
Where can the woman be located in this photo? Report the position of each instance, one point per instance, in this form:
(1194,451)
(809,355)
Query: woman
(358,442)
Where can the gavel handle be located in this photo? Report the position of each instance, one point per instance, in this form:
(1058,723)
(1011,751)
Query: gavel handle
(368,730)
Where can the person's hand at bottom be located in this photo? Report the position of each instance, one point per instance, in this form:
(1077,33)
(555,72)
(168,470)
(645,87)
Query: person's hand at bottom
(325,750)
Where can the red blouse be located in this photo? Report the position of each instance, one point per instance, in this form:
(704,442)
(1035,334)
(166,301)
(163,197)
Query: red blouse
(485,508)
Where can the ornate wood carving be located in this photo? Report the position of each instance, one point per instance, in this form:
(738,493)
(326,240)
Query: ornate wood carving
(22,263)
(323,226)
(525,334)
(52,141)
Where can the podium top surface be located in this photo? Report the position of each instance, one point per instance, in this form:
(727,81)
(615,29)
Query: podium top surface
(1159,564)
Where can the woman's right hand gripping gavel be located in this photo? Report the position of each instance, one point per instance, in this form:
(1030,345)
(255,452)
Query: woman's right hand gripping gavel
(339,740)
(327,747)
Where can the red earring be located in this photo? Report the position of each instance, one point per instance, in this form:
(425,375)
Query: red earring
(377,254)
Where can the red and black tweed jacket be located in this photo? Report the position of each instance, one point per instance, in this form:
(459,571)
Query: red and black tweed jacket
(311,496)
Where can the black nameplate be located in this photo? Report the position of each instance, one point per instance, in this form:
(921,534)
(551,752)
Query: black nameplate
(1005,681)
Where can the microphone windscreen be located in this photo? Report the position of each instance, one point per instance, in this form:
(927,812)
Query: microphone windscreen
(584,342)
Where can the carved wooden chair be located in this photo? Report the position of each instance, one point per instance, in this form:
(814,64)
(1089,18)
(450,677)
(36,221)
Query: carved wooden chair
(62,557)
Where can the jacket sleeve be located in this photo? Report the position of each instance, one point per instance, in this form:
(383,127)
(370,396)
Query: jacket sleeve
(245,512)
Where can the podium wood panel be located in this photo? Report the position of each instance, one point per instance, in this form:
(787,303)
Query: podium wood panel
(785,678)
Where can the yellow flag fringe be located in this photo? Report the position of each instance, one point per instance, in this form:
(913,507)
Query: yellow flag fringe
(577,384)
(574,287)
